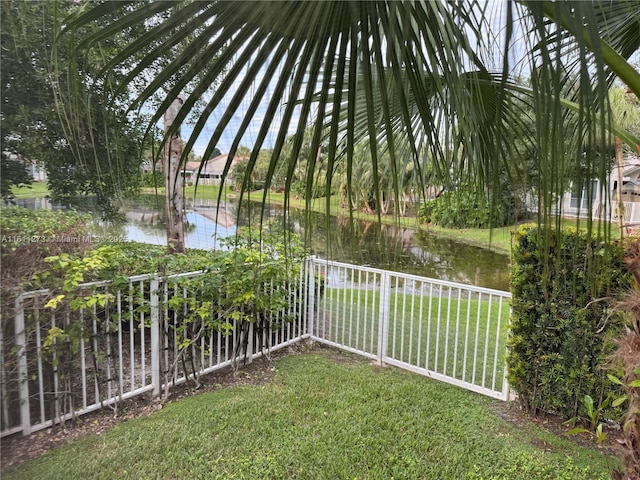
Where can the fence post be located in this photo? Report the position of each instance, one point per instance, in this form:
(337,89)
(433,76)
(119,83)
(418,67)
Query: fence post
(383,317)
(154,301)
(248,354)
(23,374)
(311,295)
(506,391)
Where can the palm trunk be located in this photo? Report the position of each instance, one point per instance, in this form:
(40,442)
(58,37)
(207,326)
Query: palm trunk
(619,161)
(173,183)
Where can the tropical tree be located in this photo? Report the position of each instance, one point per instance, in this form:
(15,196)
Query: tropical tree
(328,62)
(626,113)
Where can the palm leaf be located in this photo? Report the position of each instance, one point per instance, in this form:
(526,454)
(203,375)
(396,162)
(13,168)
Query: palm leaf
(394,76)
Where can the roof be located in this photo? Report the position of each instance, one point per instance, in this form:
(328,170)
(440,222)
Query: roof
(213,165)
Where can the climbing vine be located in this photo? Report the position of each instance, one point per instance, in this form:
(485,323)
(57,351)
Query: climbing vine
(244,290)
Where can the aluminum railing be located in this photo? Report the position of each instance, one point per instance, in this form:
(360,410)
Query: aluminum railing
(129,344)
(452,332)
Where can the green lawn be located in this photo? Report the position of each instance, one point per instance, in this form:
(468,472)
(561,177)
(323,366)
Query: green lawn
(201,192)
(320,418)
(467,330)
(36,189)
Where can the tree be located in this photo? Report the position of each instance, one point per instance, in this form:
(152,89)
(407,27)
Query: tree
(173,181)
(457,102)
(33,130)
(12,172)
(627,114)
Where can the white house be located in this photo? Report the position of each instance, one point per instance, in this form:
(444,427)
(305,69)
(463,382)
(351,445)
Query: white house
(575,202)
(210,171)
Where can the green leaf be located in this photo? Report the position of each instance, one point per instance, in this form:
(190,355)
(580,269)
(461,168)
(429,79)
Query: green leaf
(53,303)
(588,405)
(600,435)
(635,383)
(614,379)
(619,401)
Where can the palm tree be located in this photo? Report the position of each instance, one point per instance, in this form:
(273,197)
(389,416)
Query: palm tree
(626,114)
(395,73)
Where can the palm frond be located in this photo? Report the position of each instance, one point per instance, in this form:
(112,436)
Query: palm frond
(402,78)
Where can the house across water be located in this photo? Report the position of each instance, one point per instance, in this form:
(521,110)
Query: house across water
(604,202)
(209,172)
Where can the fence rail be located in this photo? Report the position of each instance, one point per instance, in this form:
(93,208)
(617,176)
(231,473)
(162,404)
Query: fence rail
(128,346)
(131,342)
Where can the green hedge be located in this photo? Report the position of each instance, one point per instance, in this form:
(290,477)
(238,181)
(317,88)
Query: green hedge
(462,209)
(562,318)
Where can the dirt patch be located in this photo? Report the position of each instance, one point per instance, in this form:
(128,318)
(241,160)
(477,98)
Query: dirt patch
(16,449)
(513,413)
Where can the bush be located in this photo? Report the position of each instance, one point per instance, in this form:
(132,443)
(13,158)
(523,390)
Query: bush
(462,209)
(248,289)
(562,325)
(152,179)
(29,236)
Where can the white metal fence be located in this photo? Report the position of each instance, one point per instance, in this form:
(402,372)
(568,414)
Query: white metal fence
(129,345)
(130,342)
(448,331)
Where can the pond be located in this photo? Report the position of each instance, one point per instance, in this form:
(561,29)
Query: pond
(388,247)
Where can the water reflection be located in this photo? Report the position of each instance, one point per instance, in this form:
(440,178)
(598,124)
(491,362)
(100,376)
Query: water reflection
(362,243)
(404,249)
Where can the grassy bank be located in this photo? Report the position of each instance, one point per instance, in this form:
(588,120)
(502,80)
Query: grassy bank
(202,192)
(36,189)
(497,239)
(325,415)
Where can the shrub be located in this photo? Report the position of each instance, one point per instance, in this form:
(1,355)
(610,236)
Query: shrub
(562,326)
(461,209)
(152,179)
(250,283)
(29,236)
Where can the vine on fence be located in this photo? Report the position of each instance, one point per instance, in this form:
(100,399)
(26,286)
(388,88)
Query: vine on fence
(248,287)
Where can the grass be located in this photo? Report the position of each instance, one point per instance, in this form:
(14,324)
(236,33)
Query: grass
(202,192)
(36,189)
(324,419)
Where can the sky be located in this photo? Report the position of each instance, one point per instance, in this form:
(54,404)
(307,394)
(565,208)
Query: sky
(252,132)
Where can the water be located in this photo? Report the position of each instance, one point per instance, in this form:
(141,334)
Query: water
(388,247)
